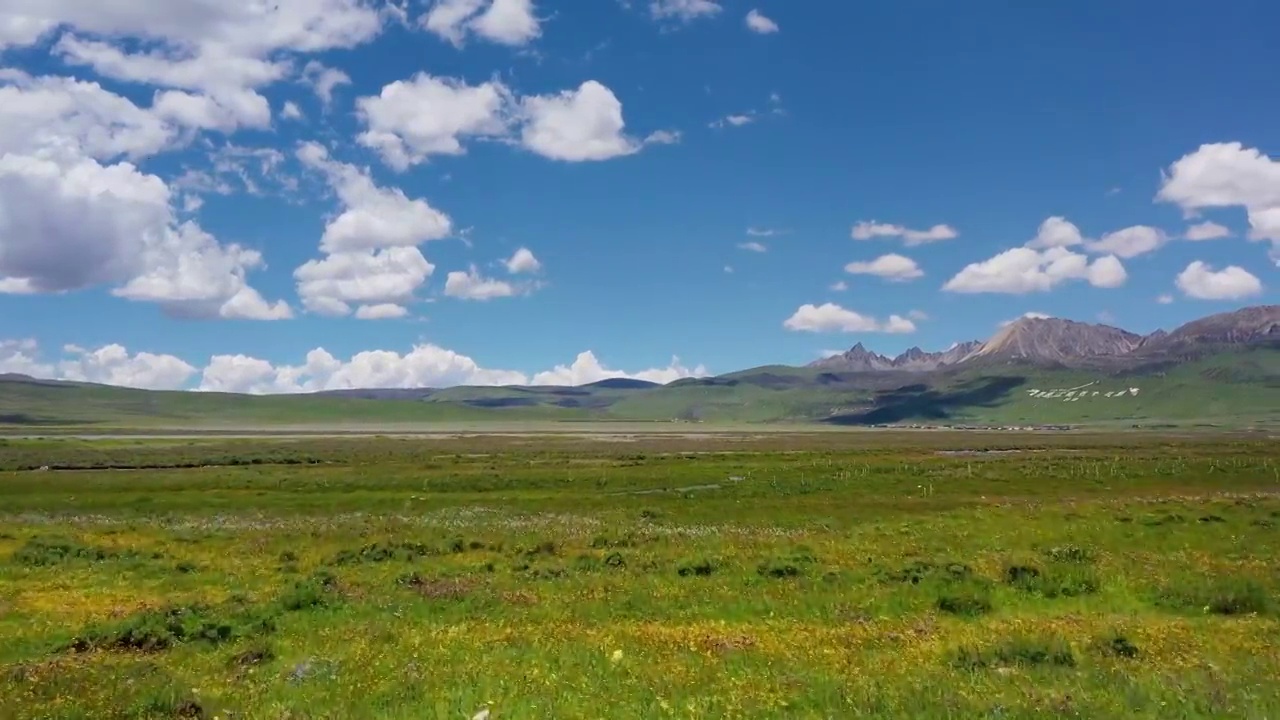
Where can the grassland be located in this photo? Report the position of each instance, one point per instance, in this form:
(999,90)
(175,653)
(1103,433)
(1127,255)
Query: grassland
(1228,389)
(868,574)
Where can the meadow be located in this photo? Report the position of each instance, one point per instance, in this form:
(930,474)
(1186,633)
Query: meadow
(719,575)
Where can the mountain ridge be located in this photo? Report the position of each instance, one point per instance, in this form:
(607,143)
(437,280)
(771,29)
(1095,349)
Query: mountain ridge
(1071,343)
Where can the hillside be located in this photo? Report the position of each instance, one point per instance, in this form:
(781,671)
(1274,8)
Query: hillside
(1223,369)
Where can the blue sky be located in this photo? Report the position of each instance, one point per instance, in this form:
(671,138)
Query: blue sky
(200,194)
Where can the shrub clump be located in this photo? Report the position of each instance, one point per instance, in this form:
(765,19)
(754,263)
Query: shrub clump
(970,601)
(1231,598)
(319,590)
(1116,645)
(1059,582)
(791,565)
(47,552)
(919,571)
(1016,652)
(700,567)
(156,630)
(383,552)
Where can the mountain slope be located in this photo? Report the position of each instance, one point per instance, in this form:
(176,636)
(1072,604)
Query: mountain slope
(1054,340)
(1223,369)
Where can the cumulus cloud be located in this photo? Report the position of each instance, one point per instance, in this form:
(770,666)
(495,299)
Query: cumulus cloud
(1025,270)
(1129,242)
(830,317)
(1201,282)
(372,258)
(522,261)
(411,120)
(1228,175)
(758,23)
(586,368)
(291,111)
(19,357)
(55,113)
(1207,230)
(508,22)
(68,222)
(330,286)
(1056,231)
(223,53)
(372,217)
(576,125)
(870,229)
(114,365)
(683,10)
(383,311)
(895,268)
(424,366)
(470,285)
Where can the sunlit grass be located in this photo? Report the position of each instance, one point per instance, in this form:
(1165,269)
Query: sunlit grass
(810,576)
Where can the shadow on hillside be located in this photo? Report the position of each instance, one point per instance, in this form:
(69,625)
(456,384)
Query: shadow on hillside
(921,403)
(29,420)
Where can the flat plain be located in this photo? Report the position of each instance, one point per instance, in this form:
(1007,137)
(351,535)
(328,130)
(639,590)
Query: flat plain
(710,575)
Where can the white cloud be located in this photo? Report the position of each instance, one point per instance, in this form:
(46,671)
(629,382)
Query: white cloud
(1228,175)
(838,286)
(223,51)
(111,365)
(323,80)
(867,230)
(1207,230)
(830,317)
(372,258)
(373,217)
(896,268)
(663,137)
(758,23)
(69,223)
(576,125)
(1056,231)
(1025,270)
(764,232)
(384,311)
(386,276)
(509,22)
(470,285)
(291,111)
(586,368)
(1130,242)
(425,366)
(918,315)
(1165,299)
(728,269)
(736,120)
(19,357)
(448,19)
(683,10)
(411,120)
(1033,315)
(522,261)
(1200,281)
(58,113)
(753,246)
(114,365)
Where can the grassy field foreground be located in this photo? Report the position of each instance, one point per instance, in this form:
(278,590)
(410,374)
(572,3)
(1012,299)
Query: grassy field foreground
(784,576)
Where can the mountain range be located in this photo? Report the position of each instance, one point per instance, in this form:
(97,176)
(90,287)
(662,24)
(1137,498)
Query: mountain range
(1222,369)
(1057,342)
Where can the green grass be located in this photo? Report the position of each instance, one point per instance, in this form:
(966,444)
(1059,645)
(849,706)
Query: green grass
(550,576)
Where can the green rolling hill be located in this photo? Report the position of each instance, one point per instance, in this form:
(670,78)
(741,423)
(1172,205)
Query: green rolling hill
(1223,370)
